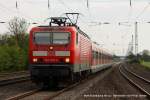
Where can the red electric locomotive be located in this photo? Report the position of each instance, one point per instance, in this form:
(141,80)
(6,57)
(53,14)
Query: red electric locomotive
(62,52)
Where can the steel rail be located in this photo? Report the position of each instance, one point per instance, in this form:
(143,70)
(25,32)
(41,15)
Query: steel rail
(14,80)
(133,83)
(23,95)
(144,79)
(13,73)
(62,91)
(32,92)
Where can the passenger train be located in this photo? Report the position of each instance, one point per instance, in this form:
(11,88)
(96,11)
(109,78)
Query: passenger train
(63,52)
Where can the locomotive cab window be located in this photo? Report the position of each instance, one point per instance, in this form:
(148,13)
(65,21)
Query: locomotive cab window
(42,38)
(61,38)
(52,38)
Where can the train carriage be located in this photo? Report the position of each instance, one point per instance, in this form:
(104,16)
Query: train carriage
(100,58)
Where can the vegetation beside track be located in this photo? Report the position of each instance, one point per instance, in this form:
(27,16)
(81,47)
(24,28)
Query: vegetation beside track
(143,58)
(146,64)
(14,47)
(13,57)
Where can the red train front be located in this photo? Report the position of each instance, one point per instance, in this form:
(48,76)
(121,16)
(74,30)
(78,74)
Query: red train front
(60,52)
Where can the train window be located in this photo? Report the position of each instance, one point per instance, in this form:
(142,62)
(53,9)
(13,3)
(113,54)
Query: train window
(61,38)
(96,55)
(99,55)
(52,38)
(77,38)
(92,54)
(42,38)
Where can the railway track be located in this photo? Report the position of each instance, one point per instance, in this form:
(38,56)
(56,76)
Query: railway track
(33,92)
(23,95)
(14,77)
(53,94)
(13,80)
(140,82)
(13,73)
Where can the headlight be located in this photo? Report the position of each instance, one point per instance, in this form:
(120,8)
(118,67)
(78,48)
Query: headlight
(35,60)
(67,60)
(39,53)
(62,53)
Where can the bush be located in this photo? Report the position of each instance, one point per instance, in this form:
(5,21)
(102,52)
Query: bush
(12,56)
(5,59)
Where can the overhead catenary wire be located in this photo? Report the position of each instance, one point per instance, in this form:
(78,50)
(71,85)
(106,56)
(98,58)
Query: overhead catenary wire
(37,3)
(4,10)
(13,11)
(144,9)
(65,5)
(69,8)
(7,9)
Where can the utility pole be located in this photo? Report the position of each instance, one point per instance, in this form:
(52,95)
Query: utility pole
(130,3)
(87,4)
(132,44)
(130,47)
(136,38)
(48,4)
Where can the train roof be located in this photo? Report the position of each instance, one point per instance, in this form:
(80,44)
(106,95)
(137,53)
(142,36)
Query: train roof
(76,27)
(81,32)
(96,46)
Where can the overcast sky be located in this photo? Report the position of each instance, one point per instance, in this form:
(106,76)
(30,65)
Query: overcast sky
(114,37)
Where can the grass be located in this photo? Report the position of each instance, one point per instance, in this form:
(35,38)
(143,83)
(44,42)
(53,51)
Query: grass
(147,64)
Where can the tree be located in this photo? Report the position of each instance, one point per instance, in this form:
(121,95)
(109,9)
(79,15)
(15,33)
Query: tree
(145,55)
(145,52)
(131,56)
(18,27)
